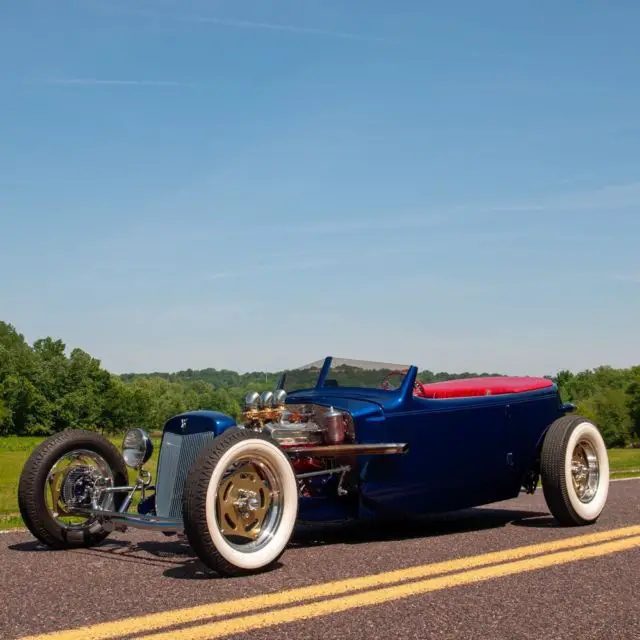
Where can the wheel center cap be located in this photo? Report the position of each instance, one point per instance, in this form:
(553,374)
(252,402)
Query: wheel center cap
(247,502)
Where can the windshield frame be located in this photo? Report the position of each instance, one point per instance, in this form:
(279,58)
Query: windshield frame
(332,364)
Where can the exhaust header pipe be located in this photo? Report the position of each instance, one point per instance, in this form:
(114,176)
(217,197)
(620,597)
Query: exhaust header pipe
(342,450)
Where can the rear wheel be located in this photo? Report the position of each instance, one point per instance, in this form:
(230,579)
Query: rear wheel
(60,475)
(575,471)
(240,503)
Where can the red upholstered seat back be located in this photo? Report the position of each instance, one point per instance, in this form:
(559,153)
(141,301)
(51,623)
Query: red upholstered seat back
(493,385)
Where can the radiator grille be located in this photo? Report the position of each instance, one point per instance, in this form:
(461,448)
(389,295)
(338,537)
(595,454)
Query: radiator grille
(176,457)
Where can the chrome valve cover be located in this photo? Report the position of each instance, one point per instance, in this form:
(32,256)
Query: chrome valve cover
(295,433)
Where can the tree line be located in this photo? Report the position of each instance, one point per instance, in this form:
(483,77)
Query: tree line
(44,389)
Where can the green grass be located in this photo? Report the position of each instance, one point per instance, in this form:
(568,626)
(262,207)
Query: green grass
(624,460)
(14,452)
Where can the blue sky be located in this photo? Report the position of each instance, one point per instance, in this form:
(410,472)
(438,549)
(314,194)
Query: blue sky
(251,184)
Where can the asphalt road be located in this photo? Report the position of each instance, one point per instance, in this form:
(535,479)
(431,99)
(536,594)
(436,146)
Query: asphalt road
(561,587)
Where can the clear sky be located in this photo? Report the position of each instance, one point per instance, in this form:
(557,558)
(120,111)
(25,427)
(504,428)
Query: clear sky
(255,184)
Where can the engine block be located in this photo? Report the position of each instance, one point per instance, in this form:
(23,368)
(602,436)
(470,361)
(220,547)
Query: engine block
(300,425)
(292,434)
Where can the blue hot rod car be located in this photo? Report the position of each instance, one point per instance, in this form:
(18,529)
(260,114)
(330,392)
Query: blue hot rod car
(342,447)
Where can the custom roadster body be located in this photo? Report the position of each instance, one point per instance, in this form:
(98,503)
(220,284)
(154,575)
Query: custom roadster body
(362,440)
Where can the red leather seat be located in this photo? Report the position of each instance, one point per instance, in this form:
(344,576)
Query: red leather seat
(487,386)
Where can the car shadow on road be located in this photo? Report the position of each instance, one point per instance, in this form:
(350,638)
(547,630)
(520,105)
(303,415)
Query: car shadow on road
(176,559)
(468,520)
(174,553)
(33,546)
(542,522)
(361,532)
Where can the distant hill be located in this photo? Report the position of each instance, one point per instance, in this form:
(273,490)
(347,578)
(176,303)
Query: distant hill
(352,372)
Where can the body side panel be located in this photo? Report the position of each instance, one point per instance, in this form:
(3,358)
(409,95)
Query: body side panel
(462,451)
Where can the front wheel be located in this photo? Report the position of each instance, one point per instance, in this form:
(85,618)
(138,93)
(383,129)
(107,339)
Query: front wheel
(61,475)
(575,471)
(240,503)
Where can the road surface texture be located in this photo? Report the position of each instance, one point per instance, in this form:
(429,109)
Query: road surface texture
(538,581)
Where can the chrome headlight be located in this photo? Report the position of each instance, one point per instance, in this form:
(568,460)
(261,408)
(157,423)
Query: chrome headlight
(136,448)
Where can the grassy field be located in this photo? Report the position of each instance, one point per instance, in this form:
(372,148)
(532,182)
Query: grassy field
(14,451)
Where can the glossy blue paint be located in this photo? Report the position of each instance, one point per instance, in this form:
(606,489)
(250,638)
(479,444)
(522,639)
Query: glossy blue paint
(324,372)
(359,406)
(198,421)
(463,452)
(183,437)
(320,510)
(148,505)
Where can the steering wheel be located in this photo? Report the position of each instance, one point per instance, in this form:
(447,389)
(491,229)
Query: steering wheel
(417,386)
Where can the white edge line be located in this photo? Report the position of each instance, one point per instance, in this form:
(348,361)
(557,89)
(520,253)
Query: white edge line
(26,530)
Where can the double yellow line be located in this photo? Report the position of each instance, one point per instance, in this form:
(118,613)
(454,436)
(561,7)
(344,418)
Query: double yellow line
(318,600)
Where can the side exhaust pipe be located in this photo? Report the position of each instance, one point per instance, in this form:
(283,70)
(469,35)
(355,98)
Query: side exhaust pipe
(342,450)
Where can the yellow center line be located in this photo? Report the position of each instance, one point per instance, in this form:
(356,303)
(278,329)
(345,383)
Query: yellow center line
(213,610)
(388,594)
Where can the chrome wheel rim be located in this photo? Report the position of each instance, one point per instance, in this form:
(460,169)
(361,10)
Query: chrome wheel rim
(70,482)
(585,471)
(249,503)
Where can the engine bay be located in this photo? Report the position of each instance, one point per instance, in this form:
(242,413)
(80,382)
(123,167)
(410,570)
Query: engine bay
(298,427)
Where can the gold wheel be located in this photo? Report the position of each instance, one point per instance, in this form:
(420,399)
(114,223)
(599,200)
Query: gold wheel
(243,502)
(240,502)
(248,503)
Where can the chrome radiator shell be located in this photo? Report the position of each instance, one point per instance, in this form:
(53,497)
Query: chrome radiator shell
(184,438)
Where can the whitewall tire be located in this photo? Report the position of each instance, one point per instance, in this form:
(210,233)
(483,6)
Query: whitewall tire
(240,503)
(575,471)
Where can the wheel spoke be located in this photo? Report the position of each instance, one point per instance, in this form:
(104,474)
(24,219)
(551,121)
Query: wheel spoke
(70,482)
(243,503)
(247,500)
(585,471)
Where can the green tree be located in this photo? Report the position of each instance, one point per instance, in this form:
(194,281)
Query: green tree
(633,393)
(608,408)
(44,390)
